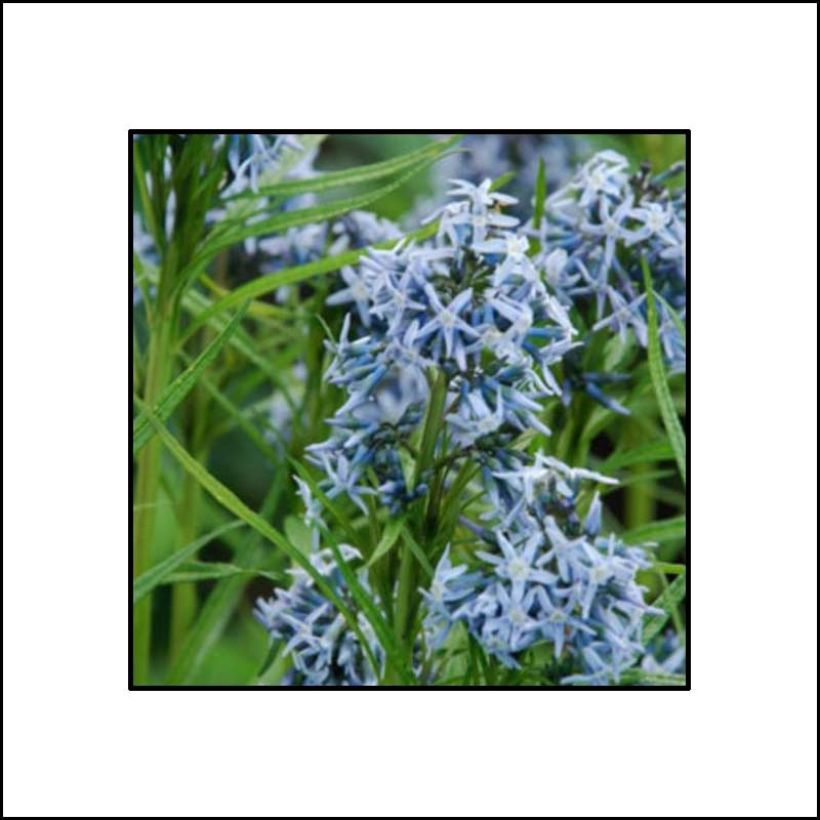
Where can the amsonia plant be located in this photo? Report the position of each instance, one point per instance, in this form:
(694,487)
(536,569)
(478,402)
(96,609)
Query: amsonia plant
(454,398)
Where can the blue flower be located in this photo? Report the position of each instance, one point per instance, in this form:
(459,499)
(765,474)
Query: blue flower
(343,477)
(357,291)
(314,636)
(254,155)
(596,230)
(447,325)
(611,228)
(472,304)
(603,174)
(517,564)
(655,218)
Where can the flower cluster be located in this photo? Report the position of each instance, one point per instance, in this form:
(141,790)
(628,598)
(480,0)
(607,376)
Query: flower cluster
(255,160)
(491,156)
(472,317)
(596,231)
(325,652)
(471,304)
(549,579)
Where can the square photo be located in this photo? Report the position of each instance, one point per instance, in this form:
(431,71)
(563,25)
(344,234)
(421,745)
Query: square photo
(409,410)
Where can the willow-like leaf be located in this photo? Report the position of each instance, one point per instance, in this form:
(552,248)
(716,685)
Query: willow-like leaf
(175,392)
(658,372)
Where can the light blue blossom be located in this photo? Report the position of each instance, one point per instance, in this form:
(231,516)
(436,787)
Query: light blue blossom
(324,651)
(481,305)
(655,218)
(603,174)
(447,325)
(357,291)
(516,564)
(597,229)
(261,153)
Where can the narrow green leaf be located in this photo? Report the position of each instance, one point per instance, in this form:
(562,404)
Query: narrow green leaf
(668,600)
(669,529)
(500,182)
(432,424)
(669,569)
(451,506)
(270,658)
(389,537)
(145,197)
(264,285)
(196,304)
(659,382)
(351,176)
(170,398)
(646,453)
(280,222)
(157,574)
(192,571)
(540,194)
(418,552)
(677,321)
(650,476)
(637,677)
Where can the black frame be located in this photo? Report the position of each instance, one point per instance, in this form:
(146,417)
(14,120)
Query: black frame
(132,132)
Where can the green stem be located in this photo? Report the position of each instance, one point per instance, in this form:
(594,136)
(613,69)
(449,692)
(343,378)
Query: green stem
(183,595)
(146,492)
(407,595)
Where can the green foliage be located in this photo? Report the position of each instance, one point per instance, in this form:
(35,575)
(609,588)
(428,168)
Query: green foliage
(159,573)
(669,413)
(216,518)
(669,600)
(175,392)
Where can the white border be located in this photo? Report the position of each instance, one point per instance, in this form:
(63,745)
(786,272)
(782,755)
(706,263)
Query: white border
(743,77)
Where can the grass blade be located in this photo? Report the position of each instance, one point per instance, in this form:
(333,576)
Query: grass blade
(171,397)
(667,530)
(299,273)
(658,373)
(676,320)
(668,600)
(219,606)
(418,552)
(237,417)
(159,573)
(637,677)
(642,454)
(668,569)
(214,570)
(291,219)
(389,538)
(540,194)
(351,176)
